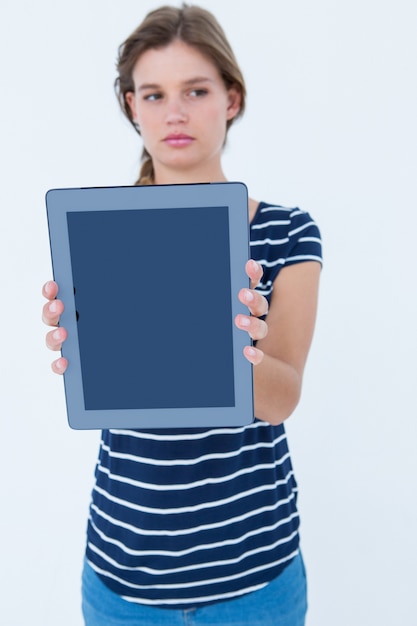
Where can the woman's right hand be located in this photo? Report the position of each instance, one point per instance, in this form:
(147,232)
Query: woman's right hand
(51,313)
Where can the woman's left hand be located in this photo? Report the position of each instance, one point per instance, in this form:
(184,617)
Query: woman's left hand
(258,306)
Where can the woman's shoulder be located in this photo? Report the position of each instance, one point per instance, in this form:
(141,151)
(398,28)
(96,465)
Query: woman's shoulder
(268,214)
(283,235)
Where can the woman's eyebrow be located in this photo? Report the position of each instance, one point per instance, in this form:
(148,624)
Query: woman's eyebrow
(146,86)
(188,83)
(197,79)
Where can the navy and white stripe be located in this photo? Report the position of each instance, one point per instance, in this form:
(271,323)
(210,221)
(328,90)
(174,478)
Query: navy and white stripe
(186,518)
(281,237)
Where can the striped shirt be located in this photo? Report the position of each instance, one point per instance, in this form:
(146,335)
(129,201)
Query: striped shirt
(184,518)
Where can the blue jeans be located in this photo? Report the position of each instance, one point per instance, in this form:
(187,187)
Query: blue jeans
(281,603)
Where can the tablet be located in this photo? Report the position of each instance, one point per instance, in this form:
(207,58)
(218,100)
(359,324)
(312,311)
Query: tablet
(149,277)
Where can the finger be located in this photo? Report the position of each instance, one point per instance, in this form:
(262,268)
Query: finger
(254,355)
(257,304)
(256,328)
(52,311)
(50,290)
(55,338)
(59,366)
(254,271)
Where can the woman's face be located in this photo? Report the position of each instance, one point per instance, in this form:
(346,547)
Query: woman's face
(182,106)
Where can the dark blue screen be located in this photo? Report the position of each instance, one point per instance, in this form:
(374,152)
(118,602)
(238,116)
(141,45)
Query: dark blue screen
(152,293)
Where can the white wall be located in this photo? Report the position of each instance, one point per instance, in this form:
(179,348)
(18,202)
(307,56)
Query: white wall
(331,127)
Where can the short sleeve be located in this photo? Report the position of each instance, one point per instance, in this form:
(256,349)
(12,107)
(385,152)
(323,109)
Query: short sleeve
(282,236)
(304,239)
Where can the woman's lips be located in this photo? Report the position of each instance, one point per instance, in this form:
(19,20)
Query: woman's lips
(178,141)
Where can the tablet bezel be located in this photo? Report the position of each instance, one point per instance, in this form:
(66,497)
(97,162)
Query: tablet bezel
(234,196)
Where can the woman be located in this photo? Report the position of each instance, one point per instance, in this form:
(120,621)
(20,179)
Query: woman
(203,522)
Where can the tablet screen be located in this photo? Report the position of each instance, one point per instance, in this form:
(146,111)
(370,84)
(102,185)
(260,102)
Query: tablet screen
(155,278)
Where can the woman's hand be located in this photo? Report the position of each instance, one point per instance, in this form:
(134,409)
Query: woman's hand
(51,313)
(256,328)
(258,306)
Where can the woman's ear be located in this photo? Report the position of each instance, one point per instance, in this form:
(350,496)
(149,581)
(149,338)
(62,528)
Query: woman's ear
(130,100)
(234,101)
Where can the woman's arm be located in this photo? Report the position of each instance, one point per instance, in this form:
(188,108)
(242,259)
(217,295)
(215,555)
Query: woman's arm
(282,351)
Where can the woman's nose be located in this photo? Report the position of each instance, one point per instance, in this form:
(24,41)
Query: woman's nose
(176,112)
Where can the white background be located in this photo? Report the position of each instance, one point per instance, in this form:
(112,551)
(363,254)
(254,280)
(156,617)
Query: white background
(330,127)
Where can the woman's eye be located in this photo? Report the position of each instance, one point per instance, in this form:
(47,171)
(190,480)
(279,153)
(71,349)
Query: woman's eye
(151,97)
(195,93)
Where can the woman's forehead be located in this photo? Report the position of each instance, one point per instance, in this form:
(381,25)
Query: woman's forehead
(176,62)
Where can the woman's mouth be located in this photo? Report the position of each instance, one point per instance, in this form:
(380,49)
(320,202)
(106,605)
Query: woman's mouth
(178,140)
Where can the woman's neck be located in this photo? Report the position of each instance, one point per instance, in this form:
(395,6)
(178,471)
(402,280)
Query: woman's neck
(172,176)
(165,176)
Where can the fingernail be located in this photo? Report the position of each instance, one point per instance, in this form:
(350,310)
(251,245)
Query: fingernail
(248,296)
(244,321)
(56,335)
(53,307)
(251,351)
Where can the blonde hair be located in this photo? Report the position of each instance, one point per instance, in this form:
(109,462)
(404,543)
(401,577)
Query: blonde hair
(194,26)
